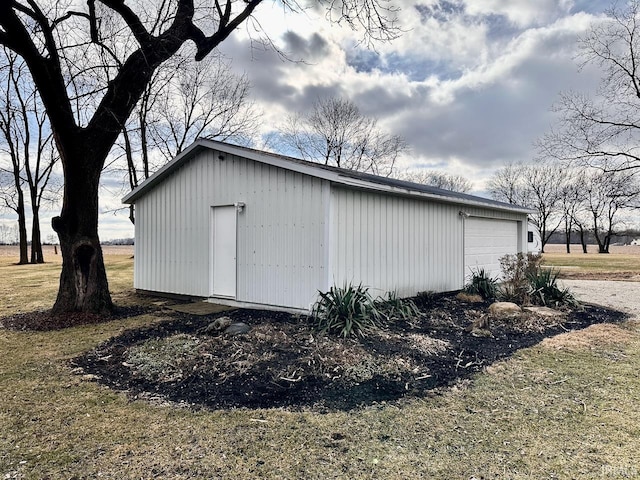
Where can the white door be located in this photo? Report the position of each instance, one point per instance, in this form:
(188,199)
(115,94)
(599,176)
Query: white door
(485,241)
(223,251)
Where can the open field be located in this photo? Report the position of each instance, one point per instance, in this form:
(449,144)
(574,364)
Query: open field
(25,288)
(566,408)
(623,263)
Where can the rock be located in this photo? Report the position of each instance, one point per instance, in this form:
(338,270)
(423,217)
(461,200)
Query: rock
(217,326)
(504,309)
(89,377)
(237,329)
(545,312)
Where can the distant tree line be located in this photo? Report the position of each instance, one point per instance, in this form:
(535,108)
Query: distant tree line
(586,178)
(574,200)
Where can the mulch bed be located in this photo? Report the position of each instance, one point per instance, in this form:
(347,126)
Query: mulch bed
(283,362)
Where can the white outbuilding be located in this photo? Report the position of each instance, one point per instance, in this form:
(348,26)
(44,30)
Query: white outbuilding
(250,228)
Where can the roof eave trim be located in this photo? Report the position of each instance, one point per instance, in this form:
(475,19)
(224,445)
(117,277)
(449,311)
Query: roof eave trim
(432,196)
(310,170)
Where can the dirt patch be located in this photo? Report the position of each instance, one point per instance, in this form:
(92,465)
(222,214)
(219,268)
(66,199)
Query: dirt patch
(571,274)
(593,249)
(283,362)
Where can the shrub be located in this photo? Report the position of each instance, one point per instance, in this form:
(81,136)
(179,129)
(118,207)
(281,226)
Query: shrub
(425,299)
(394,307)
(348,310)
(516,272)
(351,310)
(482,284)
(545,290)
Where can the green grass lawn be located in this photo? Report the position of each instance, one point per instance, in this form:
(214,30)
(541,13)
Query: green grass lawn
(567,408)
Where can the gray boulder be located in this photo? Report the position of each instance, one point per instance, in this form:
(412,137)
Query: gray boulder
(237,329)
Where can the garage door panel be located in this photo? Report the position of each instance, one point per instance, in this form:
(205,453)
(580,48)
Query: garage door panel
(486,241)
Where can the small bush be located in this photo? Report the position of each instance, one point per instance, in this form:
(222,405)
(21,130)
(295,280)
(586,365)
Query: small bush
(516,272)
(394,307)
(482,284)
(425,299)
(545,290)
(351,310)
(348,310)
(469,297)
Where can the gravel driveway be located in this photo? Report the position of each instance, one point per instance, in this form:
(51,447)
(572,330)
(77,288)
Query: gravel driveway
(623,296)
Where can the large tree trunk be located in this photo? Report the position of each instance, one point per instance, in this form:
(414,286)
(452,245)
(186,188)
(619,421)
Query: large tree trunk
(583,240)
(83,281)
(36,240)
(22,230)
(602,245)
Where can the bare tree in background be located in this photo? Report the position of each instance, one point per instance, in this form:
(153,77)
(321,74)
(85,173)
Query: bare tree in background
(203,100)
(8,234)
(538,187)
(572,197)
(65,43)
(336,133)
(507,184)
(27,141)
(11,184)
(12,198)
(185,101)
(607,194)
(455,183)
(603,131)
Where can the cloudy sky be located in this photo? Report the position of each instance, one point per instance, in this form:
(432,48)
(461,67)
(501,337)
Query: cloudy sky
(469,84)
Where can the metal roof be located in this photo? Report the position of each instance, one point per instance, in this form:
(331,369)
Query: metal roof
(336,175)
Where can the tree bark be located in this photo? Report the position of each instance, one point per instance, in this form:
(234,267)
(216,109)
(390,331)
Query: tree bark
(36,239)
(22,229)
(83,281)
(583,240)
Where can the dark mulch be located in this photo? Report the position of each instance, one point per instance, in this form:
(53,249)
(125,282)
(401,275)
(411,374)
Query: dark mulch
(282,362)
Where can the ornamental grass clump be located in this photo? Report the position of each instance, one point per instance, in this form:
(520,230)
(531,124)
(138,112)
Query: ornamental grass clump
(544,289)
(482,284)
(393,307)
(352,311)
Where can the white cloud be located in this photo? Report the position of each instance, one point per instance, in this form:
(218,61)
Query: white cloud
(522,13)
(469,85)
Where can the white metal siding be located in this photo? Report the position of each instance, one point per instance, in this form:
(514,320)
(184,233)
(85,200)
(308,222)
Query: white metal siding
(395,243)
(485,241)
(392,243)
(281,242)
(285,249)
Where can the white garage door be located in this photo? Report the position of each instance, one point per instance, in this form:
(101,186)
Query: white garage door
(485,241)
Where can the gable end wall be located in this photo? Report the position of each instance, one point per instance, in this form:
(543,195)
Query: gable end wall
(280,231)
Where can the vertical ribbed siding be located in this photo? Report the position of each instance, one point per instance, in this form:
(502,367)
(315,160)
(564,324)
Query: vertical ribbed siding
(393,243)
(280,235)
